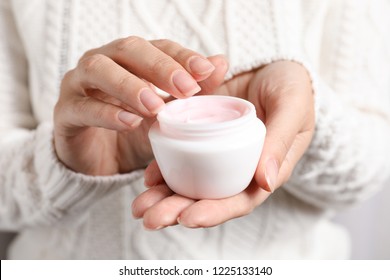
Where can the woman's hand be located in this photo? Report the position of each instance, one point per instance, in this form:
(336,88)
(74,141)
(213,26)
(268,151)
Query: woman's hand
(108,101)
(282,94)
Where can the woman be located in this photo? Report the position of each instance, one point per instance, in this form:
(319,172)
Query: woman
(77,103)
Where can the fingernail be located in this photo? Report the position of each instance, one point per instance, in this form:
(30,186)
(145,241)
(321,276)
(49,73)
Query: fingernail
(271,173)
(161,93)
(184,224)
(129,118)
(185,83)
(153,229)
(151,101)
(200,66)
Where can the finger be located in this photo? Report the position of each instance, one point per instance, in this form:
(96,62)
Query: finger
(282,127)
(84,111)
(208,213)
(149,198)
(199,66)
(212,83)
(153,175)
(284,120)
(165,212)
(217,77)
(99,71)
(104,97)
(146,61)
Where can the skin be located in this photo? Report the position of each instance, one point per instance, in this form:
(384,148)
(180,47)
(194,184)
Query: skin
(101,122)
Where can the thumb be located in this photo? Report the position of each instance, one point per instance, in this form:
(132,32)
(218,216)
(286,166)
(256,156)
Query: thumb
(216,78)
(275,149)
(286,140)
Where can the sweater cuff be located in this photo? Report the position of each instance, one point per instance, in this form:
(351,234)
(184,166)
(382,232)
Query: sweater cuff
(64,191)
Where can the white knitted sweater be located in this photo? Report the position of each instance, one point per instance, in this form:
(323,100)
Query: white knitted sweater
(61,214)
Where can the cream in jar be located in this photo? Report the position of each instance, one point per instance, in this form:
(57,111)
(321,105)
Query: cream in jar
(207,147)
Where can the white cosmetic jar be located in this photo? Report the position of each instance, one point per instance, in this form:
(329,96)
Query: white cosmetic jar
(207,147)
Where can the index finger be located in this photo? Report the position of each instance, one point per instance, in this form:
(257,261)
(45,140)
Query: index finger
(148,62)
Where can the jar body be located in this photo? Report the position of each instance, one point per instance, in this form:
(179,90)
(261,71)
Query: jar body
(211,166)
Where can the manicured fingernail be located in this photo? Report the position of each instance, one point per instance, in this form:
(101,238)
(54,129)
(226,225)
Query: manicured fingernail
(151,101)
(161,93)
(129,118)
(271,173)
(185,224)
(185,83)
(200,65)
(153,229)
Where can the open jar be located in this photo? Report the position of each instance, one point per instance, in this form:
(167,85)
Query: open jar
(207,147)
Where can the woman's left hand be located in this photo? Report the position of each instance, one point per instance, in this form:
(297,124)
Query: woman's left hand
(282,94)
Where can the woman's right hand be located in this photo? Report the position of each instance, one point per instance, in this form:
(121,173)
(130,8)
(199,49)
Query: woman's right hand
(108,101)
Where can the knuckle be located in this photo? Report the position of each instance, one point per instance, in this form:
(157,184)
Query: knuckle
(163,43)
(160,65)
(100,113)
(182,54)
(123,84)
(67,79)
(91,63)
(80,108)
(88,53)
(68,75)
(84,108)
(129,43)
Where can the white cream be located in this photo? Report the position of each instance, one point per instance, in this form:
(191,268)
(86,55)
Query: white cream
(207,147)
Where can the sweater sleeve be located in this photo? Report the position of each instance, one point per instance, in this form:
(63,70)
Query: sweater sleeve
(35,188)
(347,160)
